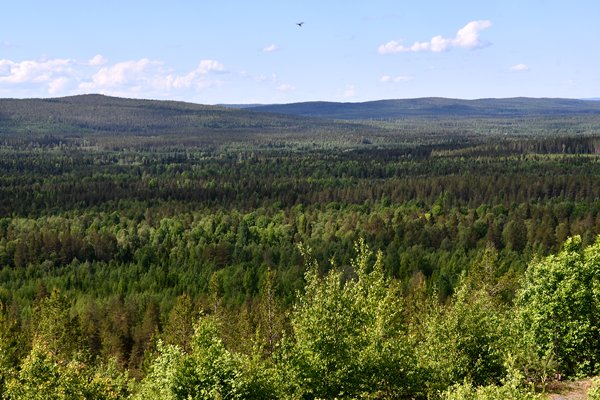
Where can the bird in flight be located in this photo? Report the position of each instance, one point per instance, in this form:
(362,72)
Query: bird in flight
(300,24)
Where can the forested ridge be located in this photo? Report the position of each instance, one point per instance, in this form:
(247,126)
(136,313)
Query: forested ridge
(98,114)
(171,250)
(435,107)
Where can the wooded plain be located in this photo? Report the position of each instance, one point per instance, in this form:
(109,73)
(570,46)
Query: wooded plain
(425,248)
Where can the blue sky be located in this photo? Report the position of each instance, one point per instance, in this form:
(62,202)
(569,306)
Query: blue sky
(253,52)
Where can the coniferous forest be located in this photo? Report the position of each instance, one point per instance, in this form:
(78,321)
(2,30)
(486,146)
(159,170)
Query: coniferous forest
(432,249)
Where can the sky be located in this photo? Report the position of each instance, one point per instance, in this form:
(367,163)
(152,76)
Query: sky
(240,52)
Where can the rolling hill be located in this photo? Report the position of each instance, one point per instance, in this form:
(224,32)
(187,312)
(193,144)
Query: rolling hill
(86,114)
(432,107)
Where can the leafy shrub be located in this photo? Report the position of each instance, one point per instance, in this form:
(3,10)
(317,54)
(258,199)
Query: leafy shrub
(44,376)
(594,390)
(559,304)
(349,338)
(510,390)
(210,371)
(159,381)
(464,340)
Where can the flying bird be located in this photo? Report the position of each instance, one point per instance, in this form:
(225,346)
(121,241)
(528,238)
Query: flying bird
(300,24)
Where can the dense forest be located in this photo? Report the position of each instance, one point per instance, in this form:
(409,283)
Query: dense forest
(156,249)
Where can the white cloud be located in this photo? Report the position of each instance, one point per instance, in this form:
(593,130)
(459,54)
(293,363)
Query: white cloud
(519,68)
(284,87)
(467,38)
(119,74)
(390,47)
(195,78)
(33,71)
(98,59)
(395,79)
(437,44)
(207,66)
(141,77)
(148,75)
(58,85)
(5,67)
(271,48)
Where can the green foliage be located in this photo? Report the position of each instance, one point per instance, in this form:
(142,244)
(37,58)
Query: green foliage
(12,346)
(160,380)
(211,371)
(124,205)
(349,338)
(594,390)
(512,389)
(559,305)
(465,340)
(44,376)
(56,329)
(180,325)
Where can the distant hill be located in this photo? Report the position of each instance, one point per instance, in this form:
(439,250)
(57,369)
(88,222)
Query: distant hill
(240,105)
(431,107)
(104,114)
(98,114)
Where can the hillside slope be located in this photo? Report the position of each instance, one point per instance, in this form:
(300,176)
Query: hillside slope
(435,107)
(104,114)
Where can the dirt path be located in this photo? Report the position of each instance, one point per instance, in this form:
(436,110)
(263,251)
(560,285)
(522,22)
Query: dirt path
(572,390)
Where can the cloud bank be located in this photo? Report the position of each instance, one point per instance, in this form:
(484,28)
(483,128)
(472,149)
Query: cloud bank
(66,77)
(55,74)
(98,59)
(467,38)
(12,72)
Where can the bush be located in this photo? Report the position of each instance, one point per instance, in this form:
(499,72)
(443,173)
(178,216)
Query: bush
(210,371)
(559,306)
(44,376)
(594,391)
(349,338)
(465,340)
(511,390)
